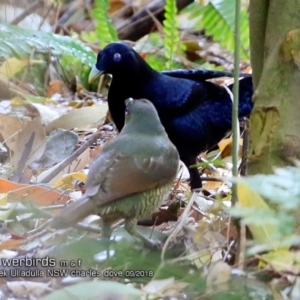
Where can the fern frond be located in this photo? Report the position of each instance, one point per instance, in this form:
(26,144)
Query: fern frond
(22,43)
(217,19)
(105,30)
(171,38)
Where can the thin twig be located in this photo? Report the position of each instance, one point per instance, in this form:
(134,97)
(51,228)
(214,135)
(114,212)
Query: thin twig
(179,225)
(17,176)
(235,106)
(41,229)
(11,87)
(28,11)
(242,247)
(59,167)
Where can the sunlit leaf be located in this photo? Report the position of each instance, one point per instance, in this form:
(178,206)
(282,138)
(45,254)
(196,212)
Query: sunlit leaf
(67,181)
(84,117)
(250,199)
(12,65)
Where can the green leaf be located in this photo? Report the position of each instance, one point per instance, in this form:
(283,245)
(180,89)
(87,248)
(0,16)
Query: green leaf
(22,43)
(217,19)
(171,39)
(276,212)
(105,30)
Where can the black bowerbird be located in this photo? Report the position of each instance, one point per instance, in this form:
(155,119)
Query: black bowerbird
(196,113)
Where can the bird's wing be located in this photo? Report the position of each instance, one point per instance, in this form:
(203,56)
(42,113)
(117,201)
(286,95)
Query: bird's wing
(245,96)
(200,74)
(117,175)
(184,96)
(190,94)
(197,74)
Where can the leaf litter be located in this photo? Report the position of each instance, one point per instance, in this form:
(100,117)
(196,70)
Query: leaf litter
(39,132)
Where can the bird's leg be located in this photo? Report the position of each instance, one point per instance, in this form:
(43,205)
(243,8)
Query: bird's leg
(106,234)
(195,180)
(106,229)
(130,226)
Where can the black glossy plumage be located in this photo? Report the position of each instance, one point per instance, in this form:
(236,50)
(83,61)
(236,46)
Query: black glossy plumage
(195,113)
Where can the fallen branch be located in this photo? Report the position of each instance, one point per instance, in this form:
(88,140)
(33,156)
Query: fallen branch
(141,23)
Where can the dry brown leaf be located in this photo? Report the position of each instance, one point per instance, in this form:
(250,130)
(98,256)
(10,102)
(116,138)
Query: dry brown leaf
(78,164)
(29,109)
(38,147)
(12,65)
(89,116)
(139,4)
(12,244)
(212,185)
(115,5)
(55,86)
(225,147)
(36,194)
(9,127)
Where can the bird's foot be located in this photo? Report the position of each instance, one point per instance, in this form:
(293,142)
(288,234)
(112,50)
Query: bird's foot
(130,226)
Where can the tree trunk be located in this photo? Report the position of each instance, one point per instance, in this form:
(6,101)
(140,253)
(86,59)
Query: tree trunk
(275,57)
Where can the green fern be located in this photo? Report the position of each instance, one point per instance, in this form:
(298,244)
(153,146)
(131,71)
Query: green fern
(217,19)
(105,30)
(73,56)
(171,39)
(22,43)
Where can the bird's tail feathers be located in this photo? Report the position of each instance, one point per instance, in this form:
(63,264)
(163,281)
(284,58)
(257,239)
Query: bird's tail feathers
(73,213)
(245,95)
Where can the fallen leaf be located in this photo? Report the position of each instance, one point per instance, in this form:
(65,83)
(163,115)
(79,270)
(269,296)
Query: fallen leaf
(60,145)
(39,143)
(78,164)
(66,182)
(282,260)
(250,199)
(90,116)
(55,86)
(12,65)
(4,214)
(36,194)
(12,244)
(225,147)
(29,108)
(9,127)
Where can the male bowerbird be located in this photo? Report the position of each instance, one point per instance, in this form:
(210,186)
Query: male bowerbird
(196,113)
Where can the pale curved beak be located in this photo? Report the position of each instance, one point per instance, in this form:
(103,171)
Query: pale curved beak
(94,74)
(128,101)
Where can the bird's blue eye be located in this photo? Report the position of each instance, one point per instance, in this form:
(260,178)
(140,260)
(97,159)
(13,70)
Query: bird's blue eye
(126,110)
(117,57)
